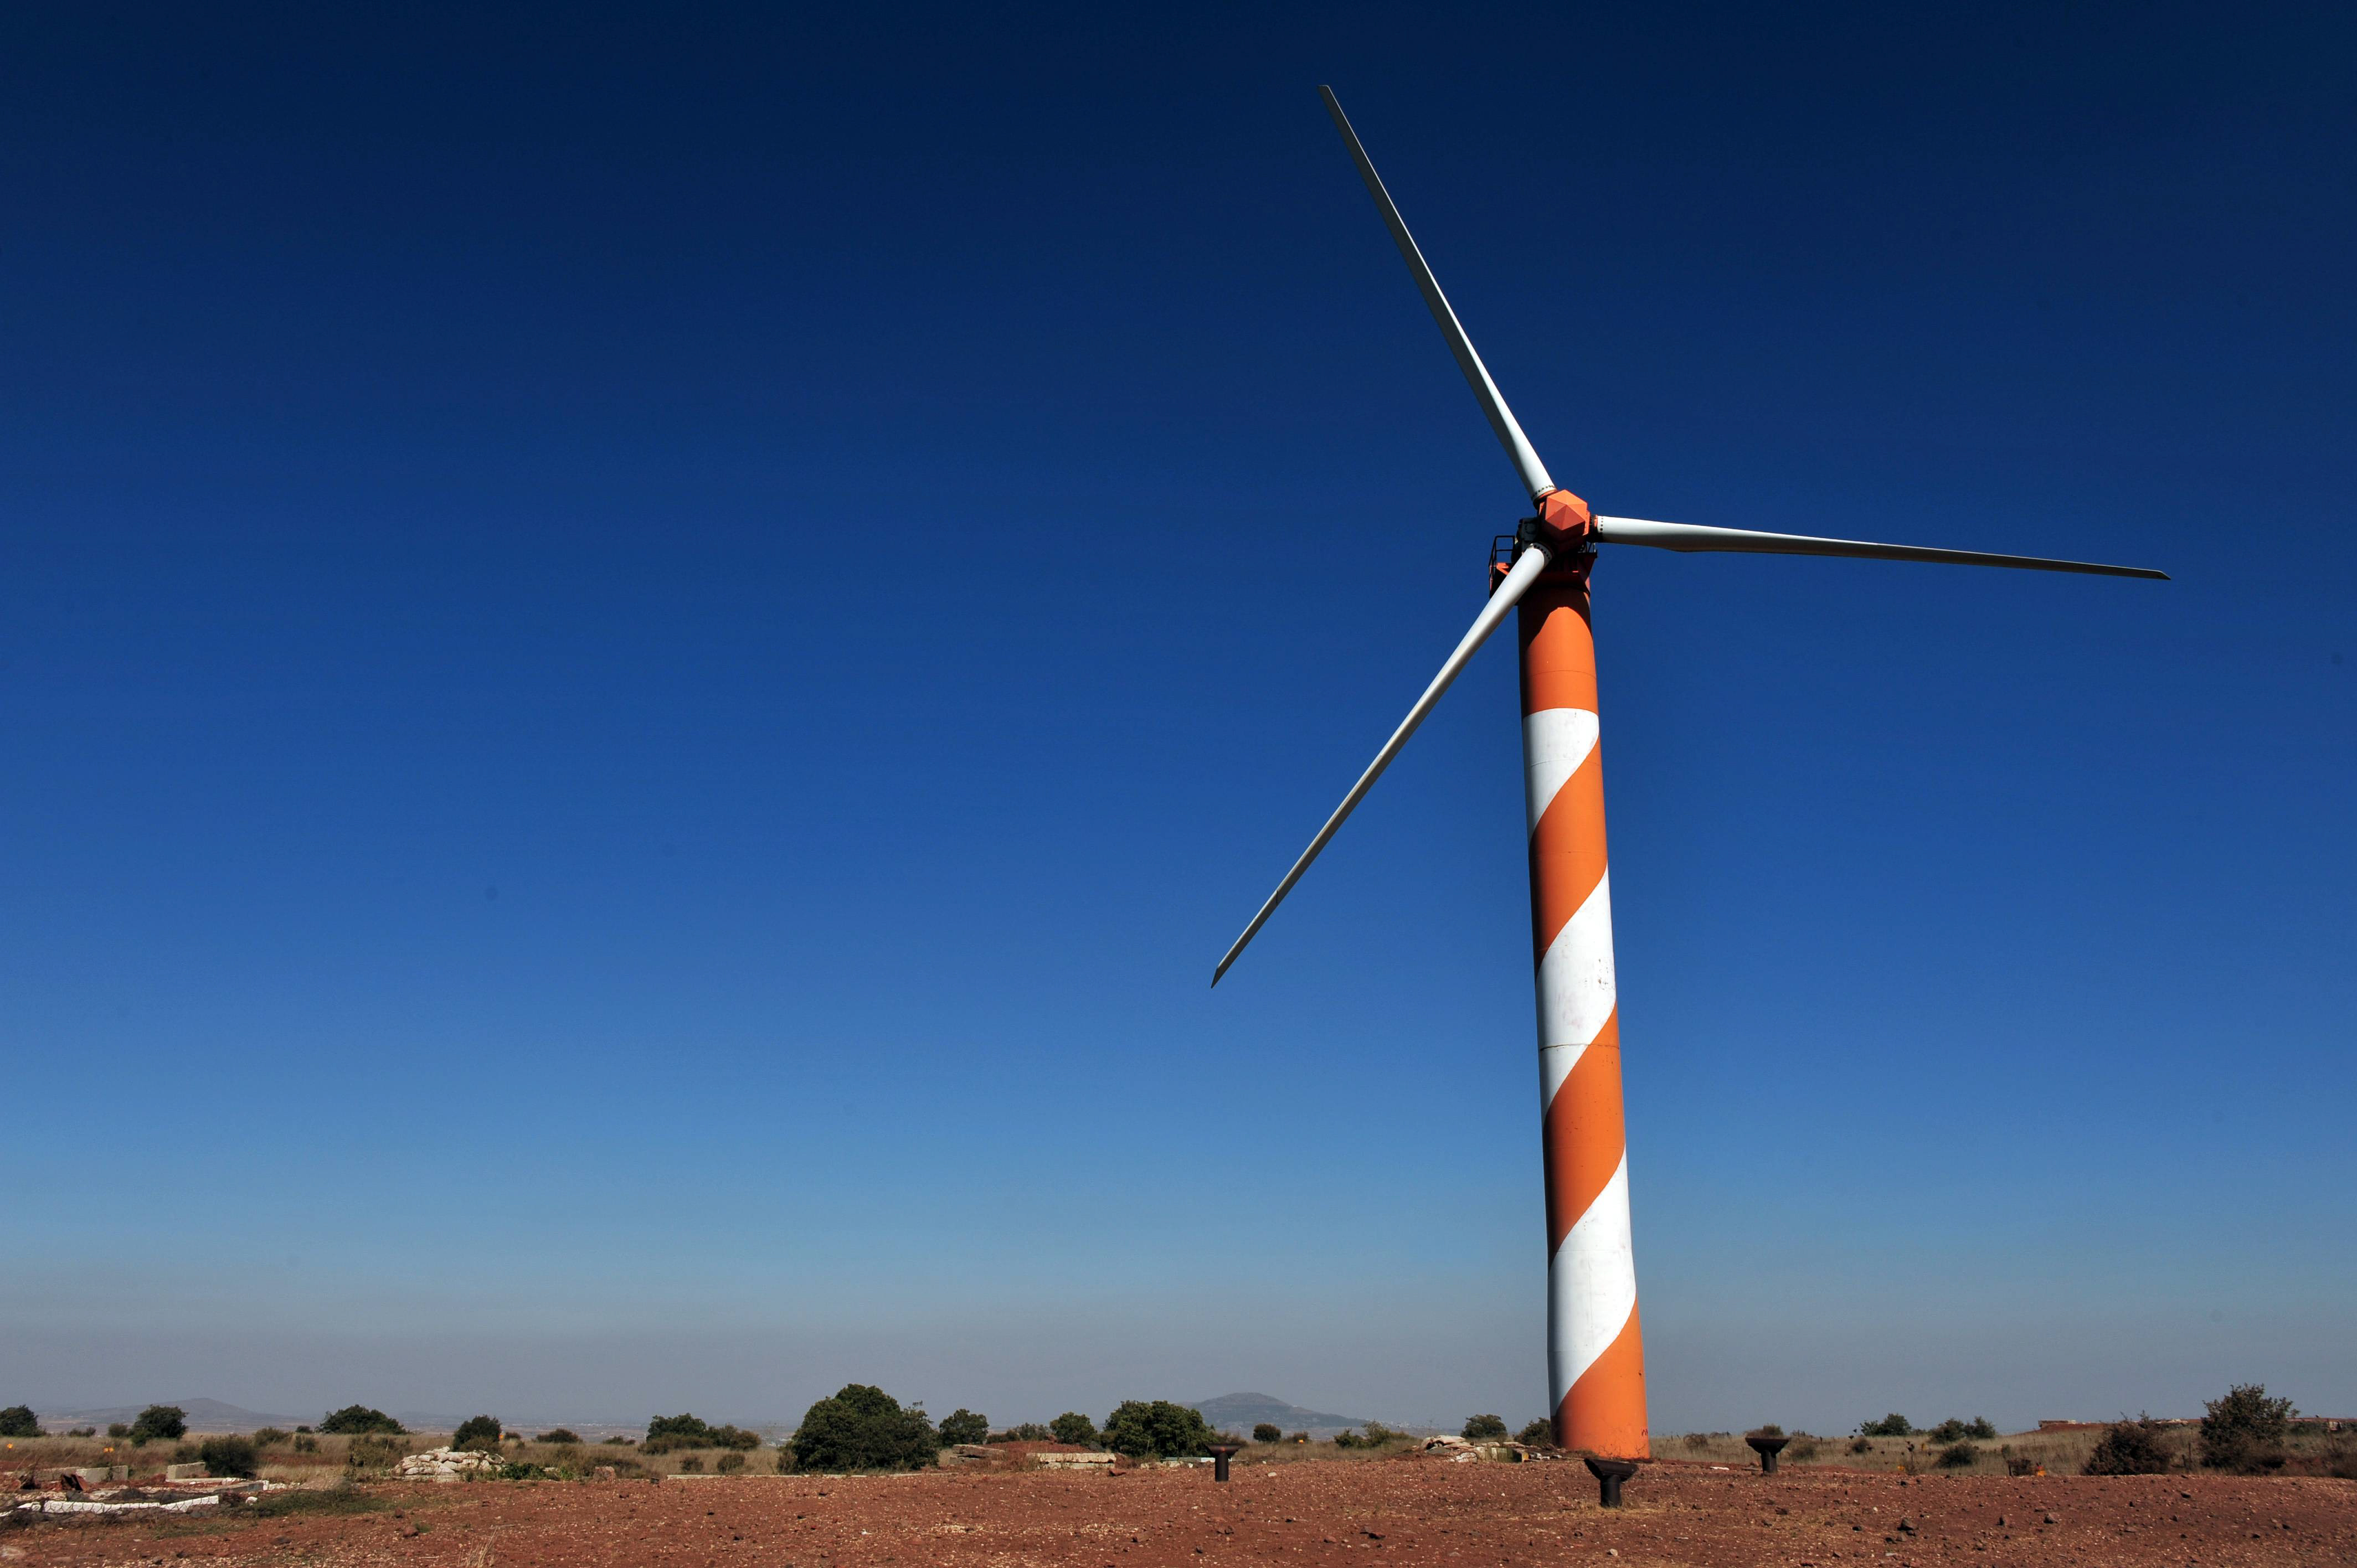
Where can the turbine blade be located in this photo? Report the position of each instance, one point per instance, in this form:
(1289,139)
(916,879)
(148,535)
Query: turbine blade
(1526,569)
(1686,536)
(1476,375)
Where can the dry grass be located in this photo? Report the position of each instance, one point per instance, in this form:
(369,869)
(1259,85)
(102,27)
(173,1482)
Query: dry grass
(2062,1452)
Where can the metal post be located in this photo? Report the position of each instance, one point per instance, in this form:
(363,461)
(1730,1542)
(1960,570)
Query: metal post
(1221,1454)
(1610,1474)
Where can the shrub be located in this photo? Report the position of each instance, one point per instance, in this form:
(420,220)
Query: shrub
(1980,1429)
(729,1464)
(1539,1434)
(619,1441)
(1484,1428)
(1949,1431)
(2244,1430)
(2130,1448)
(122,1429)
(18,1421)
(1157,1428)
(302,1431)
(229,1455)
(480,1432)
(1345,1439)
(559,1434)
(1861,1445)
(861,1427)
(306,1444)
(1891,1426)
(1298,1437)
(374,1451)
(1956,1455)
(160,1421)
(1803,1449)
(83,1432)
(264,1436)
(1697,1440)
(1023,1431)
(356,1420)
(962,1425)
(1771,1429)
(1074,1427)
(1268,1432)
(693,1463)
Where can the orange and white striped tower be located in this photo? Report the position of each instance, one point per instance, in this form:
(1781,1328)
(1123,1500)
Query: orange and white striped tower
(1595,1358)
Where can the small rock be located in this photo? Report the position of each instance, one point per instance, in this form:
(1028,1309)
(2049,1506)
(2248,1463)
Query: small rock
(2052,1519)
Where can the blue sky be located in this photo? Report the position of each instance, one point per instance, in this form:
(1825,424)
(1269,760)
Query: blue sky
(646,658)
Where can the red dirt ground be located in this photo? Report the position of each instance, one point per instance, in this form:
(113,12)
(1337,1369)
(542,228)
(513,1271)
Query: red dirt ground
(1312,1513)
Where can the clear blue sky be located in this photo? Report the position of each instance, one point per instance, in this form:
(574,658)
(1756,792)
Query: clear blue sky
(646,657)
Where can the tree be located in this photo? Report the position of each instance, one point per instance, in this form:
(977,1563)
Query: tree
(1891,1426)
(1485,1428)
(160,1421)
(2244,1430)
(355,1419)
(1157,1428)
(18,1421)
(480,1432)
(861,1427)
(962,1425)
(1268,1432)
(2130,1448)
(1949,1431)
(1979,1428)
(1539,1434)
(1074,1427)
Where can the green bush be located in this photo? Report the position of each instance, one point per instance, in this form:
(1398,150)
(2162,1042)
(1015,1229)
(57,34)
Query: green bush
(122,1429)
(266,1435)
(356,1420)
(667,1433)
(306,1444)
(159,1422)
(1980,1429)
(229,1456)
(962,1425)
(1771,1429)
(619,1441)
(1860,1445)
(1074,1427)
(1539,1434)
(82,1431)
(2130,1448)
(1803,1449)
(1346,1438)
(18,1421)
(1957,1455)
(2244,1429)
(374,1451)
(559,1434)
(1949,1431)
(1484,1428)
(1268,1432)
(1024,1432)
(861,1427)
(692,1464)
(729,1464)
(1156,1429)
(480,1432)
(1891,1426)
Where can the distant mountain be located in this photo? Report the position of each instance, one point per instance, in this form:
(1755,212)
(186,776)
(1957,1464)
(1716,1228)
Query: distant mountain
(1241,1412)
(204,1415)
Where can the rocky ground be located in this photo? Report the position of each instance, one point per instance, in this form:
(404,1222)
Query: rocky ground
(1325,1513)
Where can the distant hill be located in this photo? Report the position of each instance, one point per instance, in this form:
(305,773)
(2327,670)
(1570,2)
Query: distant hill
(1241,1412)
(204,1415)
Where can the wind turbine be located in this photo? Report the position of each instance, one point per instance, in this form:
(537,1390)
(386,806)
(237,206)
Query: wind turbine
(1596,1370)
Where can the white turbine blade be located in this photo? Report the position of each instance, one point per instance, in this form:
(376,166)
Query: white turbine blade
(1476,374)
(1686,536)
(1526,569)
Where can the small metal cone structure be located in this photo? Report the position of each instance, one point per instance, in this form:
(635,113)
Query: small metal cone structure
(1596,1352)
